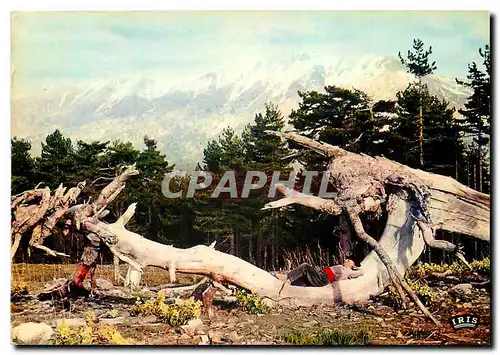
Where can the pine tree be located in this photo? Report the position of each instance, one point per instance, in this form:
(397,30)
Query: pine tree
(339,117)
(265,152)
(56,164)
(443,149)
(121,153)
(417,63)
(240,221)
(385,117)
(90,162)
(145,190)
(226,153)
(222,217)
(477,111)
(22,166)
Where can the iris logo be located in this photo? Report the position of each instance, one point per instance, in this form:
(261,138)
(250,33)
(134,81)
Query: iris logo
(464,321)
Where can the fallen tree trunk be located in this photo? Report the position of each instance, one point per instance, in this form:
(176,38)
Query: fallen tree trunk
(398,239)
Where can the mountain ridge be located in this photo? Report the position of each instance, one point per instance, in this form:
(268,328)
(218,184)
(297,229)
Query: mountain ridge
(183,114)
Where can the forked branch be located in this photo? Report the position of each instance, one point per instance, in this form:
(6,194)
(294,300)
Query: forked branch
(295,197)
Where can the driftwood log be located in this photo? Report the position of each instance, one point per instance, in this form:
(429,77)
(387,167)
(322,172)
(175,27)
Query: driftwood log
(417,203)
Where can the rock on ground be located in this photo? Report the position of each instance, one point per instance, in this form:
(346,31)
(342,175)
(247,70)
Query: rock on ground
(465,289)
(192,326)
(234,337)
(104,284)
(215,336)
(269,303)
(71,322)
(32,334)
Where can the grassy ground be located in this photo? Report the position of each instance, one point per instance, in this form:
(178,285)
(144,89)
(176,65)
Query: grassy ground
(372,323)
(37,275)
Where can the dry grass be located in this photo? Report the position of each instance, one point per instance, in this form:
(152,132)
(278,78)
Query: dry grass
(320,257)
(37,275)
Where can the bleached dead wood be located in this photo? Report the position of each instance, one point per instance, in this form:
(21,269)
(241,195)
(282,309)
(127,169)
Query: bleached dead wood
(41,217)
(203,260)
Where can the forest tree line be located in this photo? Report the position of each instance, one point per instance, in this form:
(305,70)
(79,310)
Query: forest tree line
(415,128)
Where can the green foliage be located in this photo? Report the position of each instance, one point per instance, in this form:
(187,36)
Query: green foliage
(265,152)
(477,117)
(441,145)
(121,153)
(420,269)
(338,117)
(327,336)
(478,107)
(239,221)
(175,314)
(426,294)
(222,216)
(57,160)
(90,158)
(415,277)
(454,267)
(227,153)
(481,266)
(146,190)
(250,302)
(93,333)
(22,166)
(113,313)
(417,62)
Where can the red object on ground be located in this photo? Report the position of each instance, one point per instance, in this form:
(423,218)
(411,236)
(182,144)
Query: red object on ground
(80,274)
(330,274)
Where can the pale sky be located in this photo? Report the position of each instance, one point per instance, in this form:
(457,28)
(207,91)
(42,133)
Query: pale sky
(49,48)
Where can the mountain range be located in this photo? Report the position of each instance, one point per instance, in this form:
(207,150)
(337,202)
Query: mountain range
(183,114)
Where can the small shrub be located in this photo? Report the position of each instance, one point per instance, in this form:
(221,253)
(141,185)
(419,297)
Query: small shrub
(250,303)
(481,266)
(175,314)
(93,333)
(145,308)
(423,291)
(415,278)
(329,337)
(420,269)
(426,294)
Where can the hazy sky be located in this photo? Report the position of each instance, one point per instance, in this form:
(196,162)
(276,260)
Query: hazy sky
(49,49)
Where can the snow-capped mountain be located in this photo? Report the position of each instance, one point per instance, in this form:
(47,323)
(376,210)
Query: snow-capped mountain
(182,114)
